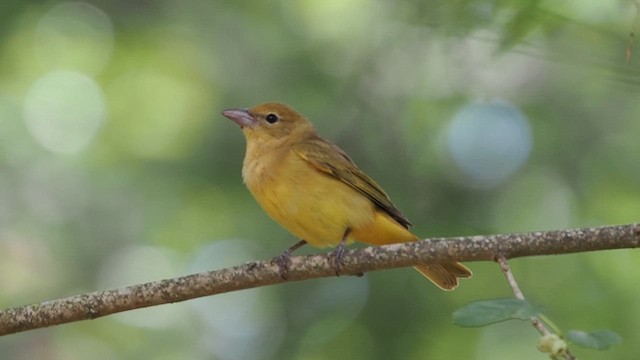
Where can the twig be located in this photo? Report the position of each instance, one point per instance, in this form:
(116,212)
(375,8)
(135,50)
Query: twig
(354,262)
(535,321)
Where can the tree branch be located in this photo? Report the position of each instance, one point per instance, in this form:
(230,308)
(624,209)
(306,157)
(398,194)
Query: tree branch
(355,262)
(535,321)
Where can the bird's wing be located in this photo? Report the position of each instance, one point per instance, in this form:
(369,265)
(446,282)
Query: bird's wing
(330,159)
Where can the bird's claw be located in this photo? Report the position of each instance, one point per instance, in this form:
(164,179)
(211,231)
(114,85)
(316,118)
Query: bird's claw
(283,261)
(336,255)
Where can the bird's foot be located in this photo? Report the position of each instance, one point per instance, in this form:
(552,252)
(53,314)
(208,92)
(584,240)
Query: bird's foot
(339,252)
(335,257)
(283,261)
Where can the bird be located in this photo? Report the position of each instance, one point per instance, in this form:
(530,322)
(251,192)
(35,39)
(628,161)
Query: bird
(313,189)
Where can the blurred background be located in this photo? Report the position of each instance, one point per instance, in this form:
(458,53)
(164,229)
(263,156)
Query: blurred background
(477,117)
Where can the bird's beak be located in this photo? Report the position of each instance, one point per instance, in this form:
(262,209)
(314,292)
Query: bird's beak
(241,117)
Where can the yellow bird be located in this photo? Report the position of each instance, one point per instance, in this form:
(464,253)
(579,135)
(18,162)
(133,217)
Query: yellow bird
(314,190)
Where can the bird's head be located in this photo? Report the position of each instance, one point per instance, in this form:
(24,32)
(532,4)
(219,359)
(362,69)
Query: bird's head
(270,121)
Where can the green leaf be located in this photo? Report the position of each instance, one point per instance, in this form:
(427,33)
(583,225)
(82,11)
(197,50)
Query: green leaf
(599,339)
(486,312)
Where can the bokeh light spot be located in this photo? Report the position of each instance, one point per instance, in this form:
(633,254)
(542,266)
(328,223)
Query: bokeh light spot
(64,110)
(333,18)
(489,142)
(74,35)
(155,115)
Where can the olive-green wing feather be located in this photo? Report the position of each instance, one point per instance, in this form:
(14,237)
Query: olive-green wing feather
(330,159)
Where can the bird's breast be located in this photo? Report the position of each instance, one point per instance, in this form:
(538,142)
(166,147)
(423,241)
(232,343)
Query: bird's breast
(310,204)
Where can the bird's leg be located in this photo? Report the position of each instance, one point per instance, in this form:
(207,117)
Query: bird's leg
(339,251)
(285,258)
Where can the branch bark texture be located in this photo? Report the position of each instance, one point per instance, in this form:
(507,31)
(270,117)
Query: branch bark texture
(355,262)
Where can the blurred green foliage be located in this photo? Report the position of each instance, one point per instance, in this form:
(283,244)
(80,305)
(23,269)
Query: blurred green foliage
(116,167)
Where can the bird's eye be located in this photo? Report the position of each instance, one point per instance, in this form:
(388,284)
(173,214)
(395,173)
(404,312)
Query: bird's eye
(271,118)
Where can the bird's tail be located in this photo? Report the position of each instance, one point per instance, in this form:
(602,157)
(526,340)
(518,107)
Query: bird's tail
(386,230)
(444,275)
